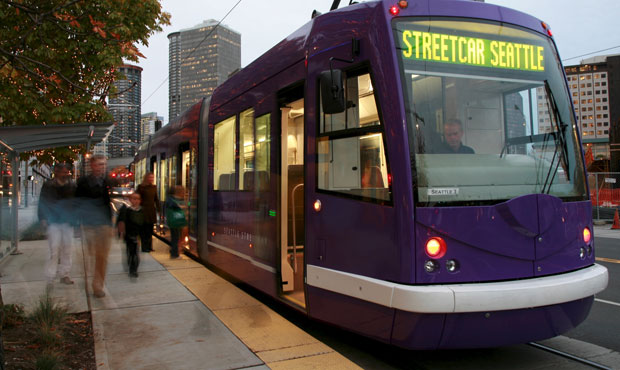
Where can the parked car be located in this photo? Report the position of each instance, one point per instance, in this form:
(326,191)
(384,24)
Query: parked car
(120,192)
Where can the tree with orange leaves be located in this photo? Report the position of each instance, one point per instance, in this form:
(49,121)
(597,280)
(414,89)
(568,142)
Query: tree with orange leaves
(59,58)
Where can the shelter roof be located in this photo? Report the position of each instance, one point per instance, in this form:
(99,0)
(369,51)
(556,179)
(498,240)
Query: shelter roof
(27,138)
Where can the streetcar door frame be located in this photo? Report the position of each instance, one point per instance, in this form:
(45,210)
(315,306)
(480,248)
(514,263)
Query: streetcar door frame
(291,107)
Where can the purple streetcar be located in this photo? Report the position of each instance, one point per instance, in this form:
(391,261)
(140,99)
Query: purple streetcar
(407,170)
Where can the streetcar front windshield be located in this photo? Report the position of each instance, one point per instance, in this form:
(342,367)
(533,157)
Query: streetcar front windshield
(489,115)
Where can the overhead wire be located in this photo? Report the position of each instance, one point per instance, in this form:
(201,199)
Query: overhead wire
(594,52)
(194,49)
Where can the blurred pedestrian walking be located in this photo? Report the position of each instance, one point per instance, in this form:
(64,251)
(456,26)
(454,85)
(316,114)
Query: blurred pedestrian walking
(150,207)
(56,213)
(96,220)
(175,218)
(130,222)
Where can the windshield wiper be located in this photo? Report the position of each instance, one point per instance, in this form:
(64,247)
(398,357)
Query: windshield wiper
(559,141)
(520,140)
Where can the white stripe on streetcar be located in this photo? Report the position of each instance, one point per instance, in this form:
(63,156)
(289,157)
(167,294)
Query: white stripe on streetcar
(460,298)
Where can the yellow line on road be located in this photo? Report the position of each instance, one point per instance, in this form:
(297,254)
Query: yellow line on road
(603,259)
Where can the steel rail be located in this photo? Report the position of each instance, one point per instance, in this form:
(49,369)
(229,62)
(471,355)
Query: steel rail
(569,356)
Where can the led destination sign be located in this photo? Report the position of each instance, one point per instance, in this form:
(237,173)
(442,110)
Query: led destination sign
(437,47)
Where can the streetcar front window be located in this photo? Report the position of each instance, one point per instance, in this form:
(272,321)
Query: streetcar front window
(489,115)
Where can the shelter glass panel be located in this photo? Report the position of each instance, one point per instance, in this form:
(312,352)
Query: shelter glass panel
(6,203)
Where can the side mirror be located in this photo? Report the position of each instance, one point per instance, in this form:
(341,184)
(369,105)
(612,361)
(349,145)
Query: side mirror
(332,91)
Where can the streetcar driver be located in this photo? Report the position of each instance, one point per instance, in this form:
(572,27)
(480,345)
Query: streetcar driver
(453,133)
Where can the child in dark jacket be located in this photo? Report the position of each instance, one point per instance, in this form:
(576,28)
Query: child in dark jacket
(130,221)
(175,218)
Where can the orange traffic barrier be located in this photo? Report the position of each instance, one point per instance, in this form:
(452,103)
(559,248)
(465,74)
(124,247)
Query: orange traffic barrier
(616,224)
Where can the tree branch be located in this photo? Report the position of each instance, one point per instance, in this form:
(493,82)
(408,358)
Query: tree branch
(20,58)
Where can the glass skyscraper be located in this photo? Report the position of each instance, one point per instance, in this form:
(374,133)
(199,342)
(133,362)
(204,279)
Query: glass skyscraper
(198,64)
(125,106)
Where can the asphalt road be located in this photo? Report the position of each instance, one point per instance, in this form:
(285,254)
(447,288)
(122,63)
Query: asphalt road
(603,325)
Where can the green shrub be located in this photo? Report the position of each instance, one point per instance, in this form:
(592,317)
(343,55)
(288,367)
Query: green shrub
(49,313)
(48,360)
(49,336)
(12,314)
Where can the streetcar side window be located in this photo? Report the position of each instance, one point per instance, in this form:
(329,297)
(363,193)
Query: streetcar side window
(351,154)
(246,150)
(224,141)
(172,172)
(163,172)
(262,150)
(361,107)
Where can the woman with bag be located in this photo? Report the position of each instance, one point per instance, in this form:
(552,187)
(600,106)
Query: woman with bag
(175,218)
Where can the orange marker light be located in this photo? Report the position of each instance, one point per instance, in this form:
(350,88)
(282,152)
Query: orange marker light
(317,205)
(403,4)
(436,247)
(587,235)
(547,28)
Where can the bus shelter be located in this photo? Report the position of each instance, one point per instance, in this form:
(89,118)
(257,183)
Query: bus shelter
(15,140)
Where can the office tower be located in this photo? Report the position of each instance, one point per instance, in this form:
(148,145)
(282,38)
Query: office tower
(198,64)
(125,105)
(150,123)
(595,86)
(174,75)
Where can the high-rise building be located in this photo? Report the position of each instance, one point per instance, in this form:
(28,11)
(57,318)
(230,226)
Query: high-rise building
(198,64)
(150,123)
(174,75)
(594,86)
(125,105)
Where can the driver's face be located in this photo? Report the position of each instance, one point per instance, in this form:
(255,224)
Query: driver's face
(453,135)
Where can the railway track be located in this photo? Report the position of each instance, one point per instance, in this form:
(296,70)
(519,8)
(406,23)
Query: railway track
(570,356)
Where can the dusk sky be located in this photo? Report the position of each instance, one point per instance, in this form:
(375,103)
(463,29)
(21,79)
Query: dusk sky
(578,27)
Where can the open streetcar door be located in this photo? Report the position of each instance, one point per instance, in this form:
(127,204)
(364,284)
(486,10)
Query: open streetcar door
(292,223)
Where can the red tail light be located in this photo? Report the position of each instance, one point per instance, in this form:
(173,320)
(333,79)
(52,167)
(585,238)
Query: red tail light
(587,235)
(436,247)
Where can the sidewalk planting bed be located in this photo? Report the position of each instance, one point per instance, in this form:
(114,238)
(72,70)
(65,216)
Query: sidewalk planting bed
(30,345)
